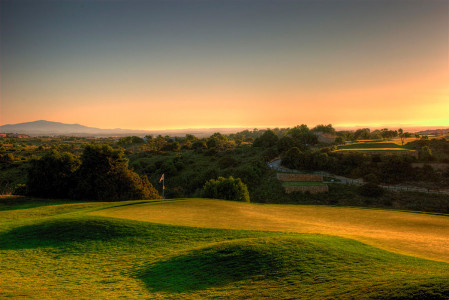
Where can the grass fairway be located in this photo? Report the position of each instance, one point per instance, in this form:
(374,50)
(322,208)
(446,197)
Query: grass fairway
(74,250)
(417,234)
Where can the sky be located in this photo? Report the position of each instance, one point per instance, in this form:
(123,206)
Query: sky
(207,64)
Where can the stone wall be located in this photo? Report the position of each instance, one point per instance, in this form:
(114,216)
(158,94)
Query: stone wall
(311,189)
(299,177)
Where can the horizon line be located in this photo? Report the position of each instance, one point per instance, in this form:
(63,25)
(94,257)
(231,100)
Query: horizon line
(261,127)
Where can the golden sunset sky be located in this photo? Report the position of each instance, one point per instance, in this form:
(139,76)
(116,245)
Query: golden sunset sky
(196,64)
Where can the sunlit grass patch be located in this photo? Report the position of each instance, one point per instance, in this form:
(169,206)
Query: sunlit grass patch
(410,233)
(66,253)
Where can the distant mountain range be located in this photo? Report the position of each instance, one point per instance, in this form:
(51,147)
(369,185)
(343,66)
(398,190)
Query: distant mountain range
(48,128)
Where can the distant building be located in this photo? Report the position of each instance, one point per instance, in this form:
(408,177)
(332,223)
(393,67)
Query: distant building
(2,135)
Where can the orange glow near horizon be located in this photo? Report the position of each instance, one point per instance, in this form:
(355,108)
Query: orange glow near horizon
(346,63)
(406,103)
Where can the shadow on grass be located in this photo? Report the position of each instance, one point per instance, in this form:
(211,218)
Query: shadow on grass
(22,202)
(59,232)
(210,267)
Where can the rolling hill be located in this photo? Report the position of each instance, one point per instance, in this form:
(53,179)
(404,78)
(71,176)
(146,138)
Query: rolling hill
(55,250)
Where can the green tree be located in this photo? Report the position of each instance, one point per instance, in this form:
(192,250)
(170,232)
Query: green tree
(104,175)
(199,145)
(324,129)
(388,134)
(7,158)
(302,136)
(227,189)
(266,140)
(292,158)
(285,143)
(362,134)
(401,135)
(339,140)
(52,176)
(425,154)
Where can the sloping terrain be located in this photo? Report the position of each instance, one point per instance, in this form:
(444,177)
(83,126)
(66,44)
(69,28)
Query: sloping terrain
(417,234)
(65,250)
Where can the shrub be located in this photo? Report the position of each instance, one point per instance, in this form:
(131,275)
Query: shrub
(266,140)
(20,189)
(425,154)
(227,161)
(291,159)
(7,158)
(227,189)
(371,190)
(371,178)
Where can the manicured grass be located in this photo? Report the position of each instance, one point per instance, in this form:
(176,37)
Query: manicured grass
(402,232)
(62,251)
(302,183)
(372,146)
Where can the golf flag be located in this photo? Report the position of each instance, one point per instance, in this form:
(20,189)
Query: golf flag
(162,178)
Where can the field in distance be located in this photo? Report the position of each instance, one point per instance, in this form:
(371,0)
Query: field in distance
(52,249)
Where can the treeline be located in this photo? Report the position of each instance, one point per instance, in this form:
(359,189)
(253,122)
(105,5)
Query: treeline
(100,173)
(218,142)
(378,134)
(189,162)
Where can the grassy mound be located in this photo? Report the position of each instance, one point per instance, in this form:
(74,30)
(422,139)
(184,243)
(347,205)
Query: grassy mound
(60,231)
(310,264)
(57,255)
(213,266)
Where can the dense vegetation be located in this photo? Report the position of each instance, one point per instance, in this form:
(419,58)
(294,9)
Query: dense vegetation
(189,162)
(387,168)
(99,174)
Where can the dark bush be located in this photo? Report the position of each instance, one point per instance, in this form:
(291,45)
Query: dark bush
(20,189)
(371,190)
(226,189)
(101,174)
(52,176)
